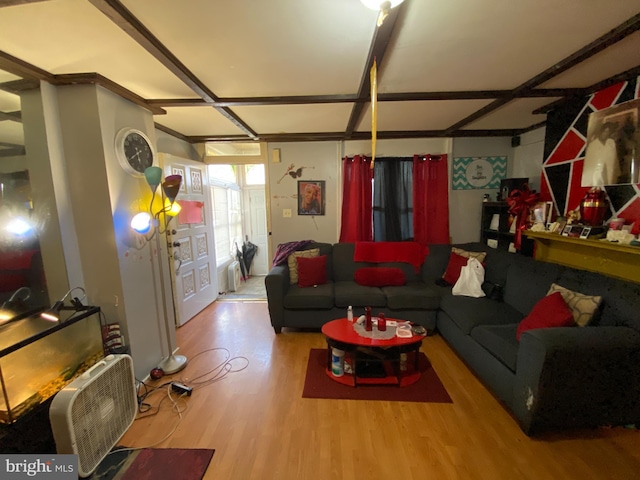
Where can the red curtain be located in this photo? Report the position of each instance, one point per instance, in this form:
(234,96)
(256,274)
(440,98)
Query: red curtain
(356,199)
(430,199)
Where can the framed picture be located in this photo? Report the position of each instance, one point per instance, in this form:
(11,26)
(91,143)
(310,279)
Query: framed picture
(478,172)
(613,137)
(576,231)
(542,213)
(311,197)
(585,232)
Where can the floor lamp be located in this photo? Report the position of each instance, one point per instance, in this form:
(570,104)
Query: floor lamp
(142,223)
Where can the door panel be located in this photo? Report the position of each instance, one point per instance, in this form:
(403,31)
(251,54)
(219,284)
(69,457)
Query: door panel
(191,246)
(259,233)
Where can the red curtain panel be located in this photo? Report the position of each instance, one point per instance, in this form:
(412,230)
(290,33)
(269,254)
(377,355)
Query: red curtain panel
(430,199)
(356,199)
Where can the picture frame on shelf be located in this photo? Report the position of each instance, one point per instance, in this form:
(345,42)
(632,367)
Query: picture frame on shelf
(542,212)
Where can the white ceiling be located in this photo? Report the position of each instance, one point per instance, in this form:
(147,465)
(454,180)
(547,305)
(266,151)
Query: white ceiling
(250,51)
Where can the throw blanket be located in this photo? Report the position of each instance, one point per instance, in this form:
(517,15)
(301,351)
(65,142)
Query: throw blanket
(285,249)
(379,252)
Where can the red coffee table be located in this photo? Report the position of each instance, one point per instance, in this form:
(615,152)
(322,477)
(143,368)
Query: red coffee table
(341,334)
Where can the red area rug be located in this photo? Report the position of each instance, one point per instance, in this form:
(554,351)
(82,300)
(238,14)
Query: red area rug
(317,384)
(154,464)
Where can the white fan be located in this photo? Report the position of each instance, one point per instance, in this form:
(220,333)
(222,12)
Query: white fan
(93,412)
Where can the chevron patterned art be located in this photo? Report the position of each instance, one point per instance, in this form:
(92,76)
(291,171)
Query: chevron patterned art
(478,172)
(565,147)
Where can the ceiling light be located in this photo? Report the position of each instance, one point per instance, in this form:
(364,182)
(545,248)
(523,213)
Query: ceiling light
(379,4)
(383,7)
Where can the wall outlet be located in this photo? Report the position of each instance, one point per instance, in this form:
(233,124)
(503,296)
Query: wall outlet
(286,213)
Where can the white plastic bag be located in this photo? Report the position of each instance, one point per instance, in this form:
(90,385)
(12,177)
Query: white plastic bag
(471,279)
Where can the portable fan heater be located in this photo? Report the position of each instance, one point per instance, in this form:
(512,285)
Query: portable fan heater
(93,412)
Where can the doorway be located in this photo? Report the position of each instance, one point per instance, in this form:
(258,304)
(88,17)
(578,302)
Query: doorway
(240,224)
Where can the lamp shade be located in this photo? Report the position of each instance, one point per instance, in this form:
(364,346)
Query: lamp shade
(171,186)
(172,209)
(141,223)
(153,176)
(53,314)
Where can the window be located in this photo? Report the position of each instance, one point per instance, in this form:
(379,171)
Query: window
(227,212)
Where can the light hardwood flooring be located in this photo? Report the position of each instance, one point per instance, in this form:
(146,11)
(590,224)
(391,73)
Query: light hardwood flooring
(262,428)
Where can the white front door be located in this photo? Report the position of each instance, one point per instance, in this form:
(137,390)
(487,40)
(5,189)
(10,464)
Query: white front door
(190,240)
(258,233)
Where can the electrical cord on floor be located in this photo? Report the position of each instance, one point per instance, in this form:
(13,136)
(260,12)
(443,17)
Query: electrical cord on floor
(176,407)
(219,372)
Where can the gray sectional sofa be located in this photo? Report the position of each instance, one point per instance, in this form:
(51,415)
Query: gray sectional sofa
(552,378)
(292,306)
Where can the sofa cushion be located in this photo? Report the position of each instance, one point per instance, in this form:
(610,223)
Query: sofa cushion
(320,297)
(344,267)
(292,261)
(350,293)
(379,276)
(620,299)
(551,311)
(469,312)
(528,281)
(583,307)
(415,295)
(312,271)
(500,341)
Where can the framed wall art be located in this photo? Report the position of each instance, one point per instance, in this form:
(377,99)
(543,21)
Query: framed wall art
(613,140)
(478,172)
(311,197)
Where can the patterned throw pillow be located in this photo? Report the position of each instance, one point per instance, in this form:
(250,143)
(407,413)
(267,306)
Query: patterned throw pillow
(457,260)
(583,307)
(292,260)
(463,253)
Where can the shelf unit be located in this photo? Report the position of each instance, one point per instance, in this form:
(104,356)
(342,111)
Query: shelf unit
(502,235)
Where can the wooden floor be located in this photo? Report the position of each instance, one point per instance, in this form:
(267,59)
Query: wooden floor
(262,428)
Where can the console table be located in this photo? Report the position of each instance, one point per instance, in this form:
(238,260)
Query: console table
(601,256)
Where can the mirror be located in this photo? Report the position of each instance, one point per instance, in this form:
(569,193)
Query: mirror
(22,279)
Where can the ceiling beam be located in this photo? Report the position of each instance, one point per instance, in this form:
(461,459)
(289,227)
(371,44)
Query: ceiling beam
(12,3)
(13,152)
(620,77)
(377,50)
(20,68)
(348,98)
(623,30)
(170,131)
(11,116)
(124,19)
(97,79)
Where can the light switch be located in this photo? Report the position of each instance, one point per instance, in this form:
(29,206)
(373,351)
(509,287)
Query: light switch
(286,213)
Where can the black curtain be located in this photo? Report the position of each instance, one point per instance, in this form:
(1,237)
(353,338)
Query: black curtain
(393,199)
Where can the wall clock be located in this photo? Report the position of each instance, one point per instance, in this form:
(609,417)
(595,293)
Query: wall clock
(134,151)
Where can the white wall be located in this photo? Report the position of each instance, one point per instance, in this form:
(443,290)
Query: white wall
(465,206)
(118,276)
(528,158)
(320,161)
(325,157)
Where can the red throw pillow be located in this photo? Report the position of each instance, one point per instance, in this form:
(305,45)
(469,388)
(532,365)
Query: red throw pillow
(551,311)
(312,271)
(452,273)
(380,276)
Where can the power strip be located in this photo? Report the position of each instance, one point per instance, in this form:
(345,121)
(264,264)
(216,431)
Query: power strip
(181,389)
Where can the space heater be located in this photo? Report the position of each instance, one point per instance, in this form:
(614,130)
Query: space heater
(234,276)
(90,415)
